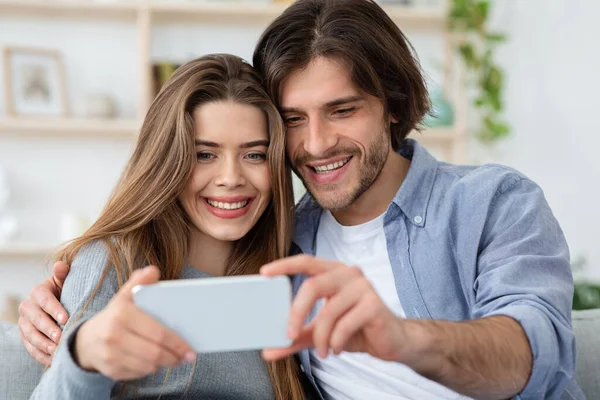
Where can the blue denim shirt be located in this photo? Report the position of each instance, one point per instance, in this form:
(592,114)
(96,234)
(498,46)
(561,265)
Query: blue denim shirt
(470,242)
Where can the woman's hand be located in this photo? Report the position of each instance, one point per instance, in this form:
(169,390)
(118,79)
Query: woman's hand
(123,343)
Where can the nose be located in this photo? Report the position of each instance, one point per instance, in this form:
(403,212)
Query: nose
(230,174)
(320,138)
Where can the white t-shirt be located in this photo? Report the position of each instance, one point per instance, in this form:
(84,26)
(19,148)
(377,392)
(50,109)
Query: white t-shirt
(358,375)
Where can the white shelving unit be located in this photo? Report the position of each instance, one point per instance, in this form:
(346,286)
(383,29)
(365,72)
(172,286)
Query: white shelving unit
(79,128)
(147,13)
(28,250)
(167,9)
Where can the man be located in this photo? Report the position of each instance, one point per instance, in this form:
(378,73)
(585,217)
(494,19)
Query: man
(461,282)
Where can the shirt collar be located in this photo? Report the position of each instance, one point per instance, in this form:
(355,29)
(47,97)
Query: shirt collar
(415,192)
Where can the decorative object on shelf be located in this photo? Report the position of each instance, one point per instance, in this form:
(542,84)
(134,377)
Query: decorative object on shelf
(72,226)
(476,47)
(101,106)
(10,312)
(161,71)
(9,227)
(8,224)
(4,190)
(34,82)
(442,113)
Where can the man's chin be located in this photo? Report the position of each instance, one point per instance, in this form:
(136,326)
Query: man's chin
(331,199)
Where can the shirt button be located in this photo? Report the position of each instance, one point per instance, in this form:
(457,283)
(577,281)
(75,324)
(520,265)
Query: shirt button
(418,219)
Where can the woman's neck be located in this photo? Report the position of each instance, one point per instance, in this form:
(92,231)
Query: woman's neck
(208,254)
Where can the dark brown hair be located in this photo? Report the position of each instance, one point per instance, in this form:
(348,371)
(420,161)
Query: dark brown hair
(359,33)
(144,223)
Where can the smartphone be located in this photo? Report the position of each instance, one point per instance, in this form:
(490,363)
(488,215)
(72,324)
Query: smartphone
(222,314)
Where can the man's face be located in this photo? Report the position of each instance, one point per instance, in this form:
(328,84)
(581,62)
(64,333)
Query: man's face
(337,136)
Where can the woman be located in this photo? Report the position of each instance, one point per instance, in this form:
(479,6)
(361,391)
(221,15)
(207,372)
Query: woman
(206,192)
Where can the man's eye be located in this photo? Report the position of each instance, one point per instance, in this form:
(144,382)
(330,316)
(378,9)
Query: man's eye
(344,111)
(292,120)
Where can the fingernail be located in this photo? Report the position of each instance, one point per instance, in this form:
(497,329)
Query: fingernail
(51,349)
(291,332)
(146,269)
(60,318)
(54,335)
(190,356)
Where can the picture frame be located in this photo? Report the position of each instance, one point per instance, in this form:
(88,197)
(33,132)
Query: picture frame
(35,83)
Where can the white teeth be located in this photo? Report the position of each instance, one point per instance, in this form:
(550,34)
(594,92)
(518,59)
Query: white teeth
(227,206)
(323,169)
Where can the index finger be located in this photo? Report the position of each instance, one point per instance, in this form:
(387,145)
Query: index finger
(300,264)
(304,340)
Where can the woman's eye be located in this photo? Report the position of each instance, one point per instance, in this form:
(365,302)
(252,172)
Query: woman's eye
(256,156)
(204,156)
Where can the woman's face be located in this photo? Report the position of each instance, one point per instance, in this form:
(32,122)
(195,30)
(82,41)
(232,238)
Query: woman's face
(230,186)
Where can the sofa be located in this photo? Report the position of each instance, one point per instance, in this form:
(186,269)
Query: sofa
(19,373)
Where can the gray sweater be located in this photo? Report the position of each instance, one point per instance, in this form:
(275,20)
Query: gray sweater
(235,375)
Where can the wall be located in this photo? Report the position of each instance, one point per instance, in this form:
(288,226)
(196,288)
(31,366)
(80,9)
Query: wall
(551,103)
(552,63)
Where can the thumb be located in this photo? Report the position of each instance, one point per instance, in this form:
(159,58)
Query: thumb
(145,276)
(60,270)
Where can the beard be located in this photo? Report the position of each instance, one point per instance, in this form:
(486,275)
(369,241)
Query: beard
(335,196)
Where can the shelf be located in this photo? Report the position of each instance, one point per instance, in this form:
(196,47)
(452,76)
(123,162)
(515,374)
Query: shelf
(163,9)
(127,129)
(417,17)
(71,8)
(208,10)
(21,250)
(439,135)
(69,127)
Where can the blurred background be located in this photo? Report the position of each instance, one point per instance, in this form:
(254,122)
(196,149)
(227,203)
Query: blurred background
(512,82)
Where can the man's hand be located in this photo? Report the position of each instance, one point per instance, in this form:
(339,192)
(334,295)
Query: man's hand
(38,315)
(487,358)
(354,318)
(124,343)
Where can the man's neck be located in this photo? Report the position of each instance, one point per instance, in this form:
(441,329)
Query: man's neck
(378,197)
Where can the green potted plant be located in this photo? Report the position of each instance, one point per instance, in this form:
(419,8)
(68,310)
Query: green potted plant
(587,293)
(468,20)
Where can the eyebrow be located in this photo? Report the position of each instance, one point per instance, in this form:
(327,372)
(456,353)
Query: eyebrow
(246,145)
(329,104)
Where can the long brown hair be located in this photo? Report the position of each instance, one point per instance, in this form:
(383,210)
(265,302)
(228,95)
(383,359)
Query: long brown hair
(359,33)
(144,223)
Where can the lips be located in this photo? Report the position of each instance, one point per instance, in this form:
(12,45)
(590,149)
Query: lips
(229,207)
(323,169)
(330,171)
(226,205)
